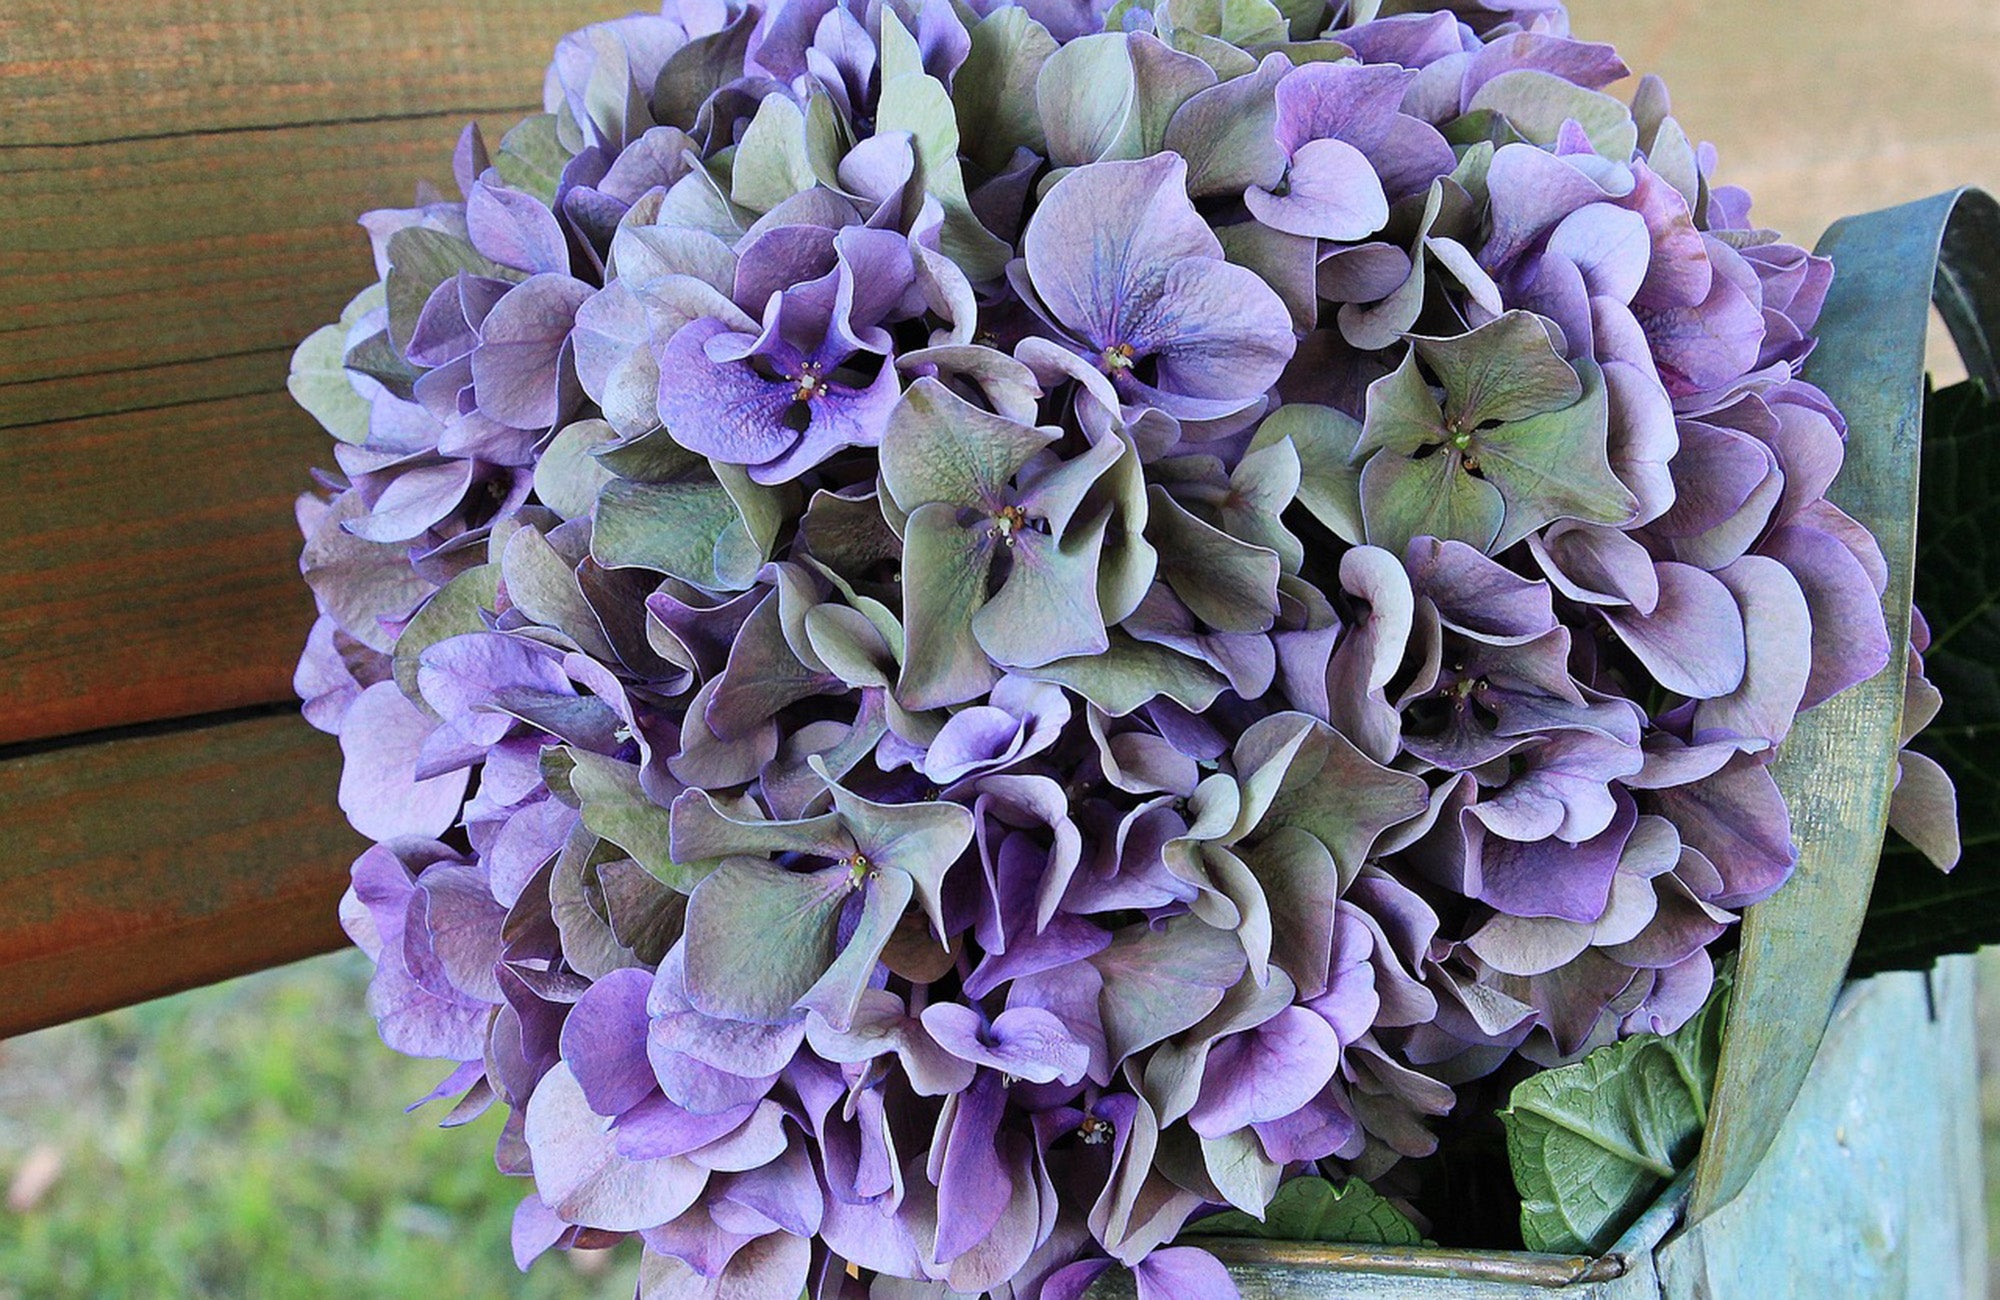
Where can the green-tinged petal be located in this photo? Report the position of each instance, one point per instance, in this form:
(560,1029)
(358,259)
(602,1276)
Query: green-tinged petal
(1328,788)
(421,259)
(1402,416)
(531,157)
(1301,884)
(1161,980)
(941,448)
(994,88)
(759,937)
(1230,584)
(946,568)
(1087,94)
(1555,466)
(543,585)
(837,993)
(615,806)
(919,104)
(771,162)
(1130,673)
(1537,103)
(567,477)
(919,840)
(452,611)
(1046,609)
(1329,485)
(1433,496)
(1507,369)
(703,830)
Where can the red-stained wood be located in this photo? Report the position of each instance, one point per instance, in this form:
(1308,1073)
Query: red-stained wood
(141,866)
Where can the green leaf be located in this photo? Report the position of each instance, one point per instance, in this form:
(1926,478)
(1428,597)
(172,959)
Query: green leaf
(531,157)
(1917,913)
(1313,1209)
(1592,1143)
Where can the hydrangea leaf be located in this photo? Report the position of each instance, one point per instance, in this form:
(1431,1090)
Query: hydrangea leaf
(568,477)
(1592,1143)
(452,611)
(1916,912)
(1314,1209)
(994,88)
(531,157)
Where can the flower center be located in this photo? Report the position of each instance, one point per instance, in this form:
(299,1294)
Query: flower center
(1008,521)
(1117,357)
(1095,1131)
(809,381)
(858,870)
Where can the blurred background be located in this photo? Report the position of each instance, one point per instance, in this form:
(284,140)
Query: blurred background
(248,1139)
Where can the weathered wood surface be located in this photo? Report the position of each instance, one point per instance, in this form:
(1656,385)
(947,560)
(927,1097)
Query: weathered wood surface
(179,181)
(140,866)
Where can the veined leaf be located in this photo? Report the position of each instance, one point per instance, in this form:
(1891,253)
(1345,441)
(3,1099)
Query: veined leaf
(1313,1209)
(1593,1143)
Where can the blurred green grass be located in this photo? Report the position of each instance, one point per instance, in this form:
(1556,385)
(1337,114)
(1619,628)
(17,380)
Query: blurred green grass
(248,1140)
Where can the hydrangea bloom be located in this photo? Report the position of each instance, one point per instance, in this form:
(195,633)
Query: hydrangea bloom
(969,633)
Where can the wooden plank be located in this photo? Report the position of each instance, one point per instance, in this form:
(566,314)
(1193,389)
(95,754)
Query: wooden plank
(140,866)
(149,567)
(79,71)
(119,257)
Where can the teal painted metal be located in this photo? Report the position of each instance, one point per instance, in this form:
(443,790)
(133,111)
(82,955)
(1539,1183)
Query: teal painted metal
(1838,767)
(1870,1191)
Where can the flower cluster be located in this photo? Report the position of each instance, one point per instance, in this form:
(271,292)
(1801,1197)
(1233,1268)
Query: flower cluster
(968,632)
